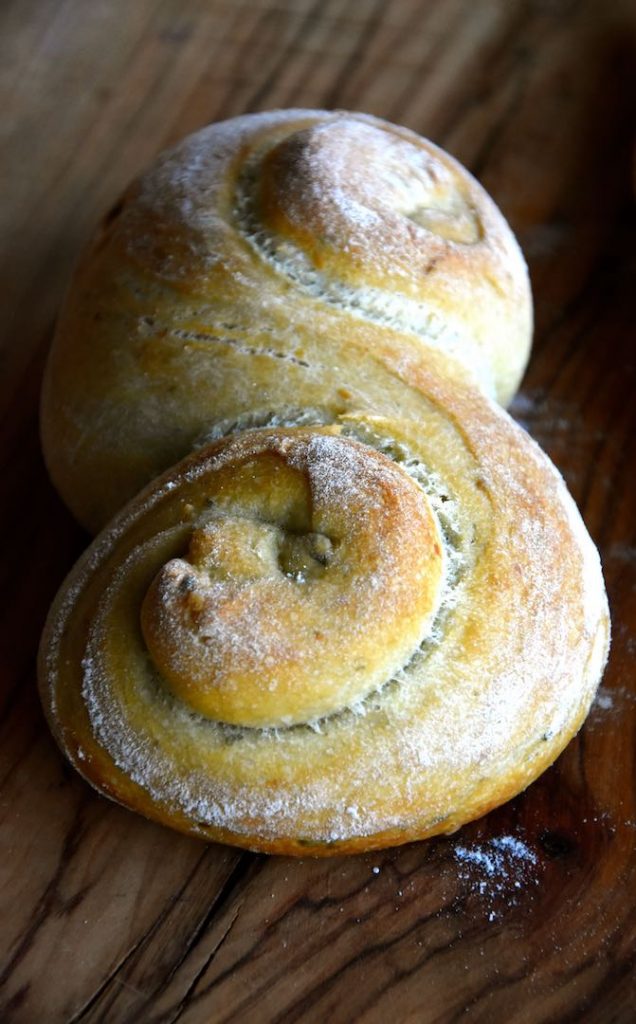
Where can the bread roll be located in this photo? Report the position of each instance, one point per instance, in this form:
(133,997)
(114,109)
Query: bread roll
(327,639)
(289,260)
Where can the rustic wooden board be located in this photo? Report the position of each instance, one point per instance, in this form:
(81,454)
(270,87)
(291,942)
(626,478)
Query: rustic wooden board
(526,916)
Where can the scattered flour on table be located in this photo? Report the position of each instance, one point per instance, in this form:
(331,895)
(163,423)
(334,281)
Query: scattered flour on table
(497,870)
(610,705)
(604,700)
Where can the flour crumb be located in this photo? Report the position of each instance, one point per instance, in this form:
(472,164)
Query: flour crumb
(604,700)
(497,871)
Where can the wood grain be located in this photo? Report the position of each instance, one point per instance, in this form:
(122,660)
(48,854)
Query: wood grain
(105,917)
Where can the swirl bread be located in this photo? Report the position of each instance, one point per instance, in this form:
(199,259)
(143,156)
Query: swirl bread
(354,616)
(294,258)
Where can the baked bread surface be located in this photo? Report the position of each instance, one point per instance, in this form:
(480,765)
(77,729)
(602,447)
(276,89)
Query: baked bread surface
(474,664)
(290,259)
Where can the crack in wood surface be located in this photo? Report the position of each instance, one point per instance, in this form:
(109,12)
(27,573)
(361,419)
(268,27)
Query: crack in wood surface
(195,981)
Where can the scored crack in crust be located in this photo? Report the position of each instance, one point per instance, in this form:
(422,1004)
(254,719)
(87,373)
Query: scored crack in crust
(441,711)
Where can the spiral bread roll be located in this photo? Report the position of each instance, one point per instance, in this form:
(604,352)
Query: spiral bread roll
(297,258)
(364,609)
(334,638)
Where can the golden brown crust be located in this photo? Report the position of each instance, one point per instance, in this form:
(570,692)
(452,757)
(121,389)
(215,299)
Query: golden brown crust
(266,263)
(500,682)
(309,543)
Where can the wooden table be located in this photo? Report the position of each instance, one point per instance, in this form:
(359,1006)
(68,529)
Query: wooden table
(526,916)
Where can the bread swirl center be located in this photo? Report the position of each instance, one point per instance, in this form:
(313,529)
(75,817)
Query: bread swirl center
(309,580)
(366,204)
